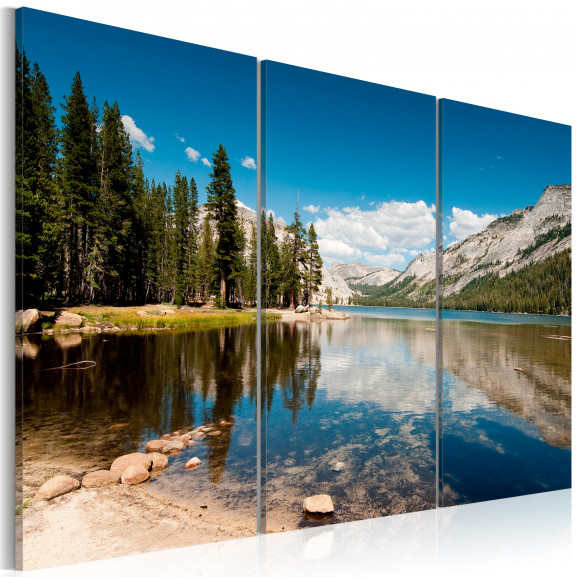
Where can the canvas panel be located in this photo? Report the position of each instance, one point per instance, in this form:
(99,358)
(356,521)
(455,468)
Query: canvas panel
(506,375)
(135,174)
(349,382)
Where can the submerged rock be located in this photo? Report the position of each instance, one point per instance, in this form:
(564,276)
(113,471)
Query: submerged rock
(318,505)
(134,475)
(100,479)
(59,485)
(214,433)
(339,466)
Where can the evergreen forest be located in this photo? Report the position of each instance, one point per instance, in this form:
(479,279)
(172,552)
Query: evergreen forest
(91,228)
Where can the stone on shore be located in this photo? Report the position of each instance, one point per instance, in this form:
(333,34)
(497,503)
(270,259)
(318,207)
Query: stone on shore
(318,505)
(215,434)
(156,446)
(159,461)
(27,321)
(192,463)
(100,479)
(142,314)
(135,474)
(198,435)
(122,463)
(73,320)
(300,309)
(59,485)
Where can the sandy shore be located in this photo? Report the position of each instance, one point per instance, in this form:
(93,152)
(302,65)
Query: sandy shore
(289,316)
(90,524)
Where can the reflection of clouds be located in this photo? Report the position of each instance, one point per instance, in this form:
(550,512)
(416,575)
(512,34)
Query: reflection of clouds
(388,363)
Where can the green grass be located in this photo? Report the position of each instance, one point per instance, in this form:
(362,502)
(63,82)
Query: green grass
(127,318)
(21,508)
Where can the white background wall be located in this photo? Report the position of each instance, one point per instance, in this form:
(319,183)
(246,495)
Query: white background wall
(518,56)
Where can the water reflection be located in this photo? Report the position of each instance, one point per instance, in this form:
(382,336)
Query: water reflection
(507,410)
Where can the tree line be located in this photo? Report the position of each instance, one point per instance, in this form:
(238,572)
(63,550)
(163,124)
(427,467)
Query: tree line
(541,288)
(90,228)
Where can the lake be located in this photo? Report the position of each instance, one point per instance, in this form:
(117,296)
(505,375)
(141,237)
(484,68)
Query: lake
(361,393)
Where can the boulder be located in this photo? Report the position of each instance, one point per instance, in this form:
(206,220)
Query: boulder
(142,314)
(100,479)
(159,461)
(173,446)
(134,474)
(59,485)
(156,446)
(192,463)
(182,438)
(318,505)
(65,318)
(300,309)
(198,435)
(27,321)
(339,466)
(167,311)
(215,434)
(122,463)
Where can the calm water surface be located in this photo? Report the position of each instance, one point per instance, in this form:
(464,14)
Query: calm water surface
(359,392)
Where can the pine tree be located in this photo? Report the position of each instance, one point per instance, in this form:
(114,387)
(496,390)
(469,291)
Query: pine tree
(249,280)
(222,207)
(330,299)
(115,209)
(313,275)
(205,260)
(296,256)
(78,169)
(191,267)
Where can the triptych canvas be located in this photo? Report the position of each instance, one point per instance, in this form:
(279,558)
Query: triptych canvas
(360,309)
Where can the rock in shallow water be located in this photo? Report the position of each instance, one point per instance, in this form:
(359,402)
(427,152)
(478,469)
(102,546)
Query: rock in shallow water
(192,463)
(339,466)
(156,445)
(318,505)
(159,461)
(59,485)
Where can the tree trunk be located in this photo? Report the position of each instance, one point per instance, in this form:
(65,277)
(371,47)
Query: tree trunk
(222,288)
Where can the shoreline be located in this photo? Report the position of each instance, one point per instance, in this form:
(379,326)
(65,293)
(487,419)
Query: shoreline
(112,521)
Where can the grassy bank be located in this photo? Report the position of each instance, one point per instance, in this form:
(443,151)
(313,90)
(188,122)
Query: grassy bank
(156,318)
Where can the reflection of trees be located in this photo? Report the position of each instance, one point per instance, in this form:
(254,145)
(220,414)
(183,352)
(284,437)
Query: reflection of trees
(293,363)
(153,382)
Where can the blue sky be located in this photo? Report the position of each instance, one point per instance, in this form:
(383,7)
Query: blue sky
(495,162)
(363,158)
(178,96)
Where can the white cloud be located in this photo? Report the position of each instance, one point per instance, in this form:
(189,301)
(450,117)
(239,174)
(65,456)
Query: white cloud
(390,225)
(248,162)
(312,208)
(179,137)
(137,135)
(193,155)
(464,223)
(205,161)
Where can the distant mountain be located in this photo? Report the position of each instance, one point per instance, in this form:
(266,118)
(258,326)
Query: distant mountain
(526,238)
(365,274)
